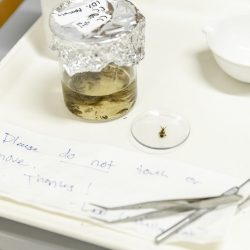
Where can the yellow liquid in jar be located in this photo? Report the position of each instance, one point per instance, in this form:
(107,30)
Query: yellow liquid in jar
(99,96)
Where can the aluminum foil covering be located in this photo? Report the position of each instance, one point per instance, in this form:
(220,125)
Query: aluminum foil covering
(90,34)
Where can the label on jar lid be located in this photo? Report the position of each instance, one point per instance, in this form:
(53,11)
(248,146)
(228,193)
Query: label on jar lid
(85,18)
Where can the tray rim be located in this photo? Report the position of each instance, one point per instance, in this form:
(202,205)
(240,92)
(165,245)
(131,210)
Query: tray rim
(8,211)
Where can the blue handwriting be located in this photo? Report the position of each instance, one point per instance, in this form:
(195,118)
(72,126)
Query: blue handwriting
(149,172)
(17,141)
(12,159)
(52,183)
(192,180)
(68,154)
(103,165)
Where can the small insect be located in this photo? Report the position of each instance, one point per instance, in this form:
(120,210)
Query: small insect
(162,132)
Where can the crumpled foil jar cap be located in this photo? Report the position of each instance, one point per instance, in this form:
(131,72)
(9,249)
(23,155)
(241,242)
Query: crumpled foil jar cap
(90,34)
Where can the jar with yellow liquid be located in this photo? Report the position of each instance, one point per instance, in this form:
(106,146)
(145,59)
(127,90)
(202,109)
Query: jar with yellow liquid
(99,43)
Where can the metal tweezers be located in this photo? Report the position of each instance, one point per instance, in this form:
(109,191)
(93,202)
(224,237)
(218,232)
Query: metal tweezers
(163,208)
(196,215)
(167,207)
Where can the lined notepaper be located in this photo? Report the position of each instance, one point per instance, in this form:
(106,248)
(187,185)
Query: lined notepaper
(66,176)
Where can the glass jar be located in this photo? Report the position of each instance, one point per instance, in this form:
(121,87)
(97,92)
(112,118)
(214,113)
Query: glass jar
(99,43)
(103,95)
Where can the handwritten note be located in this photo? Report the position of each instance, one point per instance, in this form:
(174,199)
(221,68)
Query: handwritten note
(85,17)
(66,176)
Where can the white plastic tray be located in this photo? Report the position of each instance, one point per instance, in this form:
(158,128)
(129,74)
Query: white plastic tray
(178,74)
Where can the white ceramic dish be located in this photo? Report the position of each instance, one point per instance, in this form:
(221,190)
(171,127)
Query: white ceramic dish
(229,40)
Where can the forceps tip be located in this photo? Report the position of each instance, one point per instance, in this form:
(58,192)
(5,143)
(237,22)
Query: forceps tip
(162,237)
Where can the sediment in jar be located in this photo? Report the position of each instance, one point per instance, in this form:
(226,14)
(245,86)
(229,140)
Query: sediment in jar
(104,95)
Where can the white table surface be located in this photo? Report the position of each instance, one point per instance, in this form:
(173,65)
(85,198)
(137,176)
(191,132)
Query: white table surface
(13,235)
(178,73)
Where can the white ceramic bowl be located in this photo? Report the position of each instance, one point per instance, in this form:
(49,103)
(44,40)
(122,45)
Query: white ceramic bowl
(229,40)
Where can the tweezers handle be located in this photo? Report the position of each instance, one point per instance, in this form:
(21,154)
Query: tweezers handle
(194,216)
(157,204)
(181,224)
(167,203)
(204,204)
